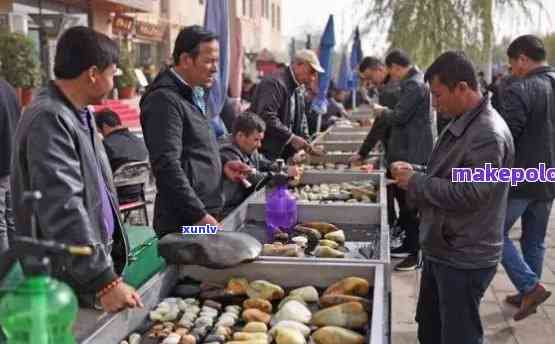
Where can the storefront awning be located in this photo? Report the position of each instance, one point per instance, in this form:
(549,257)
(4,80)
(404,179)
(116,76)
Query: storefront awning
(125,5)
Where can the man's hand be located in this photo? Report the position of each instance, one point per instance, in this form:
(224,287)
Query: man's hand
(120,297)
(378,109)
(293,171)
(236,170)
(401,172)
(356,158)
(208,220)
(299,143)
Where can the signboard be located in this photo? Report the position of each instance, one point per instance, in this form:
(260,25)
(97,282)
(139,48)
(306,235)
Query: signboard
(149,30)
(141,5)
(4,21)
(122,24)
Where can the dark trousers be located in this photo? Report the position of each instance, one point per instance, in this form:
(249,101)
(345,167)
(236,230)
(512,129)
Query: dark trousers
(408,221)
(448,310)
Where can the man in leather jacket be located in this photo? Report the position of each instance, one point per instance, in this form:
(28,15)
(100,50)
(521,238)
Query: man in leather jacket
(529,109)
(460,222)
(58,153)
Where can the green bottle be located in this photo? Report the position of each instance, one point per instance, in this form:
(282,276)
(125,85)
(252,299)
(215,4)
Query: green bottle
(41,310)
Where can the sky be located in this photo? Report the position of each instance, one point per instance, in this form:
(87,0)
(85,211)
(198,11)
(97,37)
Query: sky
(300,15)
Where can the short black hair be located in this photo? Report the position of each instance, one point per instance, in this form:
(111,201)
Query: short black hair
(247,123)
(79,48)
(189,40)
(451,68)
(398,57)
(528,45)
(107,117)
(370,62)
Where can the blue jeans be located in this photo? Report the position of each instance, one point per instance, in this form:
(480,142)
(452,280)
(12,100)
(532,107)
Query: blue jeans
(525,270)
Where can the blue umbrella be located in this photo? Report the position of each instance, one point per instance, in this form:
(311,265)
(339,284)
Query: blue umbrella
(216,20)
(345,77)
(356,57)
(325,56)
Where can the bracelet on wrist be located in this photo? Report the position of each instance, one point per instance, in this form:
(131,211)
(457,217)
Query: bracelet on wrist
(109,287)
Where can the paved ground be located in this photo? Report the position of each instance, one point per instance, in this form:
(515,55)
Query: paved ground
(499,326)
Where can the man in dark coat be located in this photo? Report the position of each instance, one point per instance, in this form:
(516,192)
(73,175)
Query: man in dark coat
(246,139)
(9,116)
(461,221)
(122,147)
(411,139)
(279,101)
(529,109)
(183,151)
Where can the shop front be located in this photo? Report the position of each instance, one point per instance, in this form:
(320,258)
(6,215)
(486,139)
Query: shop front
(149,47)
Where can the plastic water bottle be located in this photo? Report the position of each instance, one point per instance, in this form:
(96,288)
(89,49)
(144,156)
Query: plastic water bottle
(281,205)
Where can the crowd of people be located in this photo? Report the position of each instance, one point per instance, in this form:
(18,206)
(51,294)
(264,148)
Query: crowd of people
(457,233)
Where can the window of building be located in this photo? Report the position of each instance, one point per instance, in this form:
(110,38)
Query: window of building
(244,8)
(278,19)
(267,9)
(251,8)
(201,2)
(273,15)
(164,7)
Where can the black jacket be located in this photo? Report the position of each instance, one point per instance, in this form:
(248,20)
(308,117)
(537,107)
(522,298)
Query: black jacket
(183,152)
(234,193)
(381,130)
(9,116)
(412,135)
(529,109)
(54,155)
(122,147)
(461,224)
(279,101)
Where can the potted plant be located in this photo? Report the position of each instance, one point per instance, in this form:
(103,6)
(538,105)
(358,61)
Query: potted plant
(19,64)
(127,81)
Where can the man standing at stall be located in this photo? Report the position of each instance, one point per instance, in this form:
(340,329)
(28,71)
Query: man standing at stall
(58,153)
(280,102)
(182,146)
(411,139)
(461,223)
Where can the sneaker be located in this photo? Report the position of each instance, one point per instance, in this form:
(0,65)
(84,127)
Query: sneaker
(514,300)
(410,263)
(400,252)
(531,301)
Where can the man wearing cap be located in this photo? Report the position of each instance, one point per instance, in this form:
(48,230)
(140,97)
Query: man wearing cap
(279,100)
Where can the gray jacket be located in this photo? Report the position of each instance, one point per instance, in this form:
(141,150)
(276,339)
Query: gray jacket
(54,154)
(412,133)
(461,224)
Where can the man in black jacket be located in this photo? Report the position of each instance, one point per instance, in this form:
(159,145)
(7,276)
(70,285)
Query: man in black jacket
(58,153)
(529,109)
(373,70)
(461,222)
(9,116)
(248,133)
(182,146)
(279,101)
(411,139)
(122,147)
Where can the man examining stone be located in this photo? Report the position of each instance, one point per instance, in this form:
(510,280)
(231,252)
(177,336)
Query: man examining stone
(279,101)
(461,224)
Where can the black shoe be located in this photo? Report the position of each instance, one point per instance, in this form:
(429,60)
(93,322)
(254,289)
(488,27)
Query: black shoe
(400,252)
(410,263)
